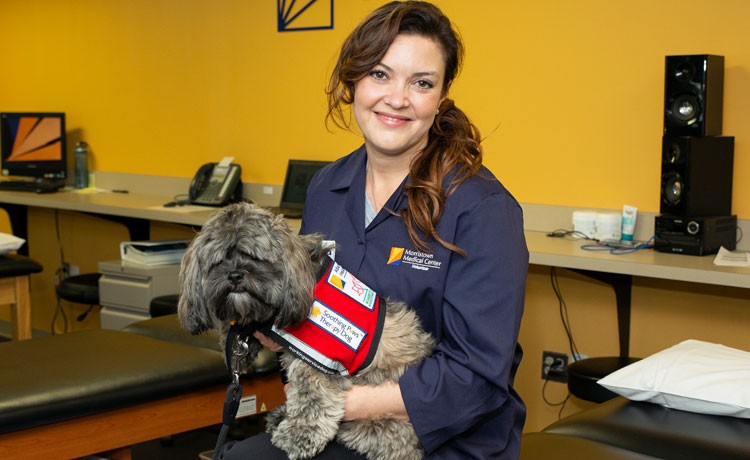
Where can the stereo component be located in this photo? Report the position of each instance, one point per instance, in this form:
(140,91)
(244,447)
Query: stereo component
(697,236)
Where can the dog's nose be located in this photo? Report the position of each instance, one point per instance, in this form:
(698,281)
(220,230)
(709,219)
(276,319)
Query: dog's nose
(235,277)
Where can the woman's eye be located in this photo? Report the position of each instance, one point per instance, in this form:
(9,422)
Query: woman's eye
(378,74)
(425,84)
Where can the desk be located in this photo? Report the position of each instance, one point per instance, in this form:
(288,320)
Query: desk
(618,271)
(566,253)
(137,210)
(133,210)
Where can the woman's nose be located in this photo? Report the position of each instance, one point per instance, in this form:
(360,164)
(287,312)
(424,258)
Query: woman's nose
(397,97)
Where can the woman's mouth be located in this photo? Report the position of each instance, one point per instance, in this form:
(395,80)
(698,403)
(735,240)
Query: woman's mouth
(391,120)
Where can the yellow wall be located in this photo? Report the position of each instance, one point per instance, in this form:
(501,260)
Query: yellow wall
(568,94)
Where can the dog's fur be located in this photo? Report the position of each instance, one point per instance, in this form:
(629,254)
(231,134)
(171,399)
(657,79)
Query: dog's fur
(248,266)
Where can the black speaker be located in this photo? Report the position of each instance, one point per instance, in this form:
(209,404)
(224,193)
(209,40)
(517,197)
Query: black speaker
(693,95)
(696,176)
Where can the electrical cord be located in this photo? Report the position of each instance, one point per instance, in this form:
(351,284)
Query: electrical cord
(612,248)
(182,199)
(563,309)
(561,404)
(618,248)
(575,234)
(60,274)
(82,317)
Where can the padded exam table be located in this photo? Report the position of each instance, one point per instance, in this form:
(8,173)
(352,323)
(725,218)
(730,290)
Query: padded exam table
(95,391)
(620,429)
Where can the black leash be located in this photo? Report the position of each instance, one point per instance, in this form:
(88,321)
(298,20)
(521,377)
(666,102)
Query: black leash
(235,350)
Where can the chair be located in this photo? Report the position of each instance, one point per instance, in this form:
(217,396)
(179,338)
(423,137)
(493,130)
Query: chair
(15,271)
(163,305)
(83,289)
(583,375)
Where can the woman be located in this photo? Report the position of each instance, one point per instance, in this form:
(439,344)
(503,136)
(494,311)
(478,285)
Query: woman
(416,216)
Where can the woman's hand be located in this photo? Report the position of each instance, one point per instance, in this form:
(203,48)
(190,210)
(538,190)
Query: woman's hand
(267,342)
(271,345)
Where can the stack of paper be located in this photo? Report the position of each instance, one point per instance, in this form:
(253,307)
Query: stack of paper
(729,258)
(153,252)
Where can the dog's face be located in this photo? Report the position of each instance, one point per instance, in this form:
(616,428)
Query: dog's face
(247,265)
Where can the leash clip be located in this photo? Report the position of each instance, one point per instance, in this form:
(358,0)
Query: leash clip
(239,351)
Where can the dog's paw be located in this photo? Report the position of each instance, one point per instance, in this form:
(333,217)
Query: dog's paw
(301,441)
(275,417)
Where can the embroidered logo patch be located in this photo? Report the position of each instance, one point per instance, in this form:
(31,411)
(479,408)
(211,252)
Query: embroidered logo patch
(351,286)
(336,325)
(395,257)
(416,259)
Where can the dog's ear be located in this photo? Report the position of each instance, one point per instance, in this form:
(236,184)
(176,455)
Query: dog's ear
(314,245)
(192,309)
(298,279)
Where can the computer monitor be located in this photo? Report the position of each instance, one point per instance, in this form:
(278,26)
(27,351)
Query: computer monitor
(299,173)
(33,145)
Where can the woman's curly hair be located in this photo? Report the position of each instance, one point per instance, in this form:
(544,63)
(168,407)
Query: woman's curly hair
(453,152)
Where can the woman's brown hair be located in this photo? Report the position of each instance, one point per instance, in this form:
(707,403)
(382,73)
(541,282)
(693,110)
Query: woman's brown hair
(453,147)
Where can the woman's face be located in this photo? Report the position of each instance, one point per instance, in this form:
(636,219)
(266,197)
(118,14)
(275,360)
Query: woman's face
(395,103)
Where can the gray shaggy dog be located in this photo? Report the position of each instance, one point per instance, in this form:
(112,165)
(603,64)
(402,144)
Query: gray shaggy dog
(248,266)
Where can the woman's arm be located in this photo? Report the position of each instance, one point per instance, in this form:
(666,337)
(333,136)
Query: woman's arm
(362,402)
(383,401)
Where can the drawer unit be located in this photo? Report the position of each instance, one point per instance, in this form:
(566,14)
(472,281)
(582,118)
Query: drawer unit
(128,289)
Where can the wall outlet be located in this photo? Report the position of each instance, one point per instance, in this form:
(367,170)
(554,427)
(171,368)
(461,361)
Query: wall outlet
(555,366)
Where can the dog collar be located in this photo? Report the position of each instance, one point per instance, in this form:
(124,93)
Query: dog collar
(342,332)
(241,332)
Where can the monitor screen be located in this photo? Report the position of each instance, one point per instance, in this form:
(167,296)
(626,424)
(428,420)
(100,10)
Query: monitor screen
(33,145)
(299,173)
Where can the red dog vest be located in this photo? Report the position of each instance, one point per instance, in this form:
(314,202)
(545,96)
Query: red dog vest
(343,330)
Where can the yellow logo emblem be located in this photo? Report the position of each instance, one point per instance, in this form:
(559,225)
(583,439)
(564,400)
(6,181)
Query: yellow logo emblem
(396,255)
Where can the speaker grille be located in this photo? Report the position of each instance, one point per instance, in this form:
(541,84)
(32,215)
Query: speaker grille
(672,188)
(696,176)
(693,94)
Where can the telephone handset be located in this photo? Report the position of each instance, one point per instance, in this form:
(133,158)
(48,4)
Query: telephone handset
(216,184)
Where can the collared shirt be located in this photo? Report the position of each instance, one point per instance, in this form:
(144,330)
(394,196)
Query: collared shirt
(460,400)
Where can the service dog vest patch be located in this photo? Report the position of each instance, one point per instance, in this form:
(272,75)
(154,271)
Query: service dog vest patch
(343,330)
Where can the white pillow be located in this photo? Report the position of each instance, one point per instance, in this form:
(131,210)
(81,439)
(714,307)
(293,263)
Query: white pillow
(694,376)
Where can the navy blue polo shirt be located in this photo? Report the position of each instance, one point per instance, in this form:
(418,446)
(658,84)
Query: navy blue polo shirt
(460,400)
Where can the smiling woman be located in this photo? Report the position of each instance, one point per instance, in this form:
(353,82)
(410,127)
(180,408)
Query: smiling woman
(395,106)
(416,216)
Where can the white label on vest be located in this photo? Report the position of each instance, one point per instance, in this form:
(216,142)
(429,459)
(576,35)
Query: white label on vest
(351,286)
(336,325)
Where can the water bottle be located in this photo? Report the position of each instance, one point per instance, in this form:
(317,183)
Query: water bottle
(82,166)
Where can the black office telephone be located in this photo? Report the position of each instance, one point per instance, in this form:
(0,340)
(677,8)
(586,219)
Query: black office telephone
(216,185)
